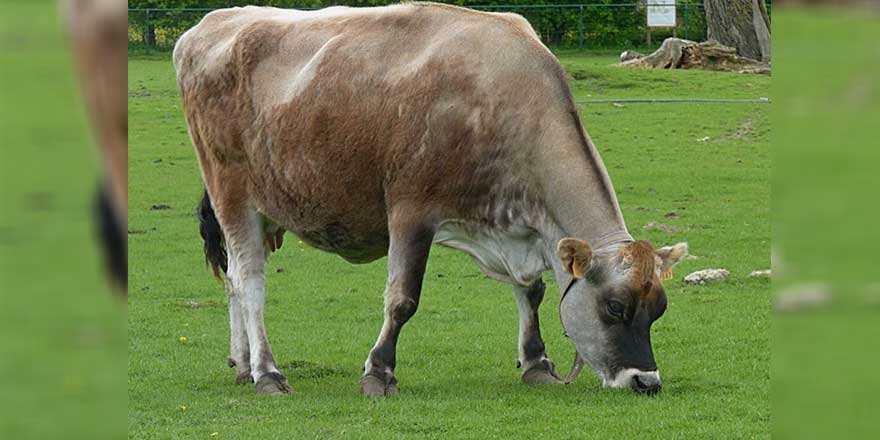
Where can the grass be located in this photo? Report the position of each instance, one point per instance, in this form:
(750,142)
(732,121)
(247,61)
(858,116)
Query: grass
(456,357)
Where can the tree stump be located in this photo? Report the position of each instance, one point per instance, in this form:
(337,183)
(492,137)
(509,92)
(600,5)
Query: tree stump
(677,53)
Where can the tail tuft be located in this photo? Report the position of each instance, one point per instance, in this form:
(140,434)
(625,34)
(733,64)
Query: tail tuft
(215,248)
(113,243)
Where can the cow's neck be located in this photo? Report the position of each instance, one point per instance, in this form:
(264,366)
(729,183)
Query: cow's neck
(579,198)
(578,193)
(576,200)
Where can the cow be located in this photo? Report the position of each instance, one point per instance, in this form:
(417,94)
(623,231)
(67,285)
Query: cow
(381,131)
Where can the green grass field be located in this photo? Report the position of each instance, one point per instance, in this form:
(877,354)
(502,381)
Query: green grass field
(456,358)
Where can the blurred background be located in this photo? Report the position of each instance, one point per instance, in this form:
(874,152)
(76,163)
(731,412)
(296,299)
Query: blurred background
(825,181)
(62,319)
(63,330)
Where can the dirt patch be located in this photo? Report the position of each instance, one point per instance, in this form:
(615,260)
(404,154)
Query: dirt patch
(657,226)
(743,132)
(196,305)
(40,201)
(310,370)
(581,74)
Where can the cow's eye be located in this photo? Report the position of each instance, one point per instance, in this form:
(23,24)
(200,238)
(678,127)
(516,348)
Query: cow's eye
(615,308)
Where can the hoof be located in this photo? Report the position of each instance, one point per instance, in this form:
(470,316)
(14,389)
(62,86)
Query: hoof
(273,383)
(541,373)
(372,386)
(244,377)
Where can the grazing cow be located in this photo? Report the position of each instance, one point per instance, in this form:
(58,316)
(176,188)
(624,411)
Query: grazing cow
(379,131)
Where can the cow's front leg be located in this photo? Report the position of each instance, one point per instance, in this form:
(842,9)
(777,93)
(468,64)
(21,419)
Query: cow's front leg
(537,368)
(407,257)
(246,285)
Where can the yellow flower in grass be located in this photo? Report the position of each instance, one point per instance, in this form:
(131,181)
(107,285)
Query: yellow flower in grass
(183,339)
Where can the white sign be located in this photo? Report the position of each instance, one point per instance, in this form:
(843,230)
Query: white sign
(661,13)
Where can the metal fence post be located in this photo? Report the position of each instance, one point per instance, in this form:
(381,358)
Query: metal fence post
(148,30)
(581,29)
(686,21)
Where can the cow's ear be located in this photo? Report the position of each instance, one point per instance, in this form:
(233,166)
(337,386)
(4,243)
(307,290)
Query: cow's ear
(575,256)
(670,256)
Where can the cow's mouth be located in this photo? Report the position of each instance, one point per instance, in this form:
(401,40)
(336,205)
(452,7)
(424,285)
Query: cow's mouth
(641,381)
(647,384)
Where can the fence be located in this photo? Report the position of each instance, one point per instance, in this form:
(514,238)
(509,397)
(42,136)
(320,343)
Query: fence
(620,25)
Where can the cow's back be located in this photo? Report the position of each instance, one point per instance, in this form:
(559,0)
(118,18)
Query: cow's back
(335,114)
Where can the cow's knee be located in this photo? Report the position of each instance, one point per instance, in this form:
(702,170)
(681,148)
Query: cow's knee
(402,308)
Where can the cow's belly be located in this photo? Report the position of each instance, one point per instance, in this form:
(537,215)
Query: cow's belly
(350,223)
(354,246)
(513,255)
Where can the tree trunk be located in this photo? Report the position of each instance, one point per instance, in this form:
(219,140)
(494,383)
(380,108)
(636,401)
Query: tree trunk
(742,24)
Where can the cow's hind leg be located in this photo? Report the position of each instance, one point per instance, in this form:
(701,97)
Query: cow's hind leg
(216,256)
(245,279)
(239,348)
(537,368)
(407,258)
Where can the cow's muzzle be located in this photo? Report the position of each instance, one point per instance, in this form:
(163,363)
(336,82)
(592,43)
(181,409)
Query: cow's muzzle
(638,380)
(646,382)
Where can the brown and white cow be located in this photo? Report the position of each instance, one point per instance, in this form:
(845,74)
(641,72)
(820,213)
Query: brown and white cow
(379,131)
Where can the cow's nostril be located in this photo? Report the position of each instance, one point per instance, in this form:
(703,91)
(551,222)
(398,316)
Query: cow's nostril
(648,384)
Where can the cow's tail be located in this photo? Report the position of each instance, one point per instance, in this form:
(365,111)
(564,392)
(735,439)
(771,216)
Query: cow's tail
(114,243)
(209,227)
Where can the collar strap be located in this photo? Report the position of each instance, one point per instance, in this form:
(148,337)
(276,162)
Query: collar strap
(564,293)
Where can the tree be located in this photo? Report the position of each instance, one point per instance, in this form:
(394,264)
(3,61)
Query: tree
(742,24)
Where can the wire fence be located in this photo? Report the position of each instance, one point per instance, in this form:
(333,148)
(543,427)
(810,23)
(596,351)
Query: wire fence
(622,101)
(589,25)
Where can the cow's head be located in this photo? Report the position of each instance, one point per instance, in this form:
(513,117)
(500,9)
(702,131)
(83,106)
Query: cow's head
(608,308)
